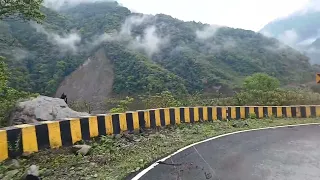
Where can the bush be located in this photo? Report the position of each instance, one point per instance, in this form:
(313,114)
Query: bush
(261,82)
(160,100)
(123,105)
(8,96)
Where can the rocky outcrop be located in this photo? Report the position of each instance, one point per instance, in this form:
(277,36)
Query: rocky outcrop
(42,108)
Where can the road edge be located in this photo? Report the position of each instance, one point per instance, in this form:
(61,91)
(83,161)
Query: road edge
(146,170)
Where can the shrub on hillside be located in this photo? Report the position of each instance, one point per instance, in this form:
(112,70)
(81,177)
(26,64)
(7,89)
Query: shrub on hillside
(160,100)
(8,96)
(262,89)
(278,97)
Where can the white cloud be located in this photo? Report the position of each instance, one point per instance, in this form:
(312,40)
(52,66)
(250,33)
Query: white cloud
(307,42)
(209,45)
(207,32)
(246,14)
(65,42)
(289,37)
(57,4)
(277,47)
(266,33)
(132,22)
(310,6)
(150,42)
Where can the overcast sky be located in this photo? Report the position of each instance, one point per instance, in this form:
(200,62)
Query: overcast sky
(245,14)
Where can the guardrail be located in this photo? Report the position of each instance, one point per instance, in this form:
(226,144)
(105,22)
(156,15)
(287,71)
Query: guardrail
(28,138)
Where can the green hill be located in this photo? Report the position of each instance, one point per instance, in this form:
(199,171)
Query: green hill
(149,54)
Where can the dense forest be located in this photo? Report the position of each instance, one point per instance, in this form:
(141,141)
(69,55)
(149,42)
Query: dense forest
(150,54)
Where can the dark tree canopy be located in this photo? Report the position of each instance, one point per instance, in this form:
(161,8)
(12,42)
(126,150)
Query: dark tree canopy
(25,9)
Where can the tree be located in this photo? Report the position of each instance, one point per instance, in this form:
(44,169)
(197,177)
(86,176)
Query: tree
(3,74)
(28,9)
(21,9)
(261,82)
(8,96)
(123,105)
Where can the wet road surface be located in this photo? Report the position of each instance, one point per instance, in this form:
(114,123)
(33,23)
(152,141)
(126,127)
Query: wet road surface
(289,153)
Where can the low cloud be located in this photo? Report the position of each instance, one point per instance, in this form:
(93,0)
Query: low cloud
(19,54)
(207,32)
(206,36)
(289,37)
(58,4)
(150,42)
(266,33)
(311,6)
(132,22)
(66,42)
(277,47)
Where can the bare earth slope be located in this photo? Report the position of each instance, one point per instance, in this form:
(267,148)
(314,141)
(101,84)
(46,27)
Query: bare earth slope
(91,82)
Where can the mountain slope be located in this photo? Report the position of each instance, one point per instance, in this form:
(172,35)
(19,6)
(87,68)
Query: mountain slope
(148,54)
(299,30)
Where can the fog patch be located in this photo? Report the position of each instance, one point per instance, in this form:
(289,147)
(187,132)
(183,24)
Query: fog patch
(58,4)
(289,37)
(66,42)
(207,32)
(150,42)
(19,54)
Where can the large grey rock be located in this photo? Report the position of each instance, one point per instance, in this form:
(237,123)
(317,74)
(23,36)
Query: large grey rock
(42,108)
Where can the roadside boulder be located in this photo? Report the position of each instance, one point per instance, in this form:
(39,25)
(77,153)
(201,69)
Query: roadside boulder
(42,108)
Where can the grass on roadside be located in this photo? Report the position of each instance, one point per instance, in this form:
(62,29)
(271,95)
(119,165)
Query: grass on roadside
(114,158)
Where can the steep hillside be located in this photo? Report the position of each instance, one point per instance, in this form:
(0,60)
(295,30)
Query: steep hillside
(144,54)
(299,30)
(306,25)
(91,82)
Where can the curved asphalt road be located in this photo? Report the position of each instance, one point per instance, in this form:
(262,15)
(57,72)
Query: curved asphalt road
(289,153)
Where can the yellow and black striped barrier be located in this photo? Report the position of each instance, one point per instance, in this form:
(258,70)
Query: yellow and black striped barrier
(28,138)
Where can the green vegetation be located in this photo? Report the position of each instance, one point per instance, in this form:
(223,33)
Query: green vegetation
(28,9)
(163,99)
(259,89)
(135,74)
(114,158)
(188,70)
(122,106)
(8,95)
(186,64)
(261,82)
